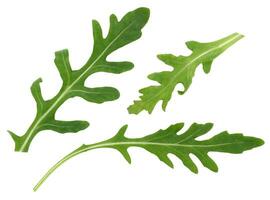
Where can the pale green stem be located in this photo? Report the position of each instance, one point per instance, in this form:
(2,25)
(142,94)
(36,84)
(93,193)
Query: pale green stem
(58,164)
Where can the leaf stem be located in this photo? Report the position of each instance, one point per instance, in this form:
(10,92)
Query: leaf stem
(58,164)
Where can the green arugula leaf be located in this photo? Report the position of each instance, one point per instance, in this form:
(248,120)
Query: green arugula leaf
(184,68)
(121,33)
(168,141)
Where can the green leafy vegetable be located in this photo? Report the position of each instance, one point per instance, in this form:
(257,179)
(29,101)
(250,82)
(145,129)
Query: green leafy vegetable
(184,68)
(121,33)
(168,141)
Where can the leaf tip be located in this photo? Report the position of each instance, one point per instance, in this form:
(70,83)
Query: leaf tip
(115,94)
(125,127)
(166,160)
(61,52)
(209,125)
(144,11)
(122,131)
(113,19)
(161,56)
(13,135)
(164,105)
(192,45)
(251,142)
(239,35)
(84,125)
(128,159)
(149,111)
(17,140)
(39,80)
(257,142)
(260,142)
(195,171)
(129,109)
(135,109)
(181,92)
(125,154)
(207,66)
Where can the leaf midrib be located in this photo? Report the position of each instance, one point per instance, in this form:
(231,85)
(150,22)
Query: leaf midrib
(36,125)
(141,144)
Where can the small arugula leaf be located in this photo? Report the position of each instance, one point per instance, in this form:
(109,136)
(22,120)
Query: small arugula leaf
(168,141)
(184,68)
(121,33)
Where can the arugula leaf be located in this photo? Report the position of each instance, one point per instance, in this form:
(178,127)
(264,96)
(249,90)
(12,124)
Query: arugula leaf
(184,68)
(121,33)
(168,141)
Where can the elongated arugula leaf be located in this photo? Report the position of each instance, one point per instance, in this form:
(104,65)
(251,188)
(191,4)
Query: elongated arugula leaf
(168,141)
(184,68)
(121,33)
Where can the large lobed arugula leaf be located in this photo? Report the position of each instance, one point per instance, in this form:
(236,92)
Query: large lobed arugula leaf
(121,33)
(168,141)
(184,68)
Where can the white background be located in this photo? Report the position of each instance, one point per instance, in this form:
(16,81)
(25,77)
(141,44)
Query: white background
(234,96)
